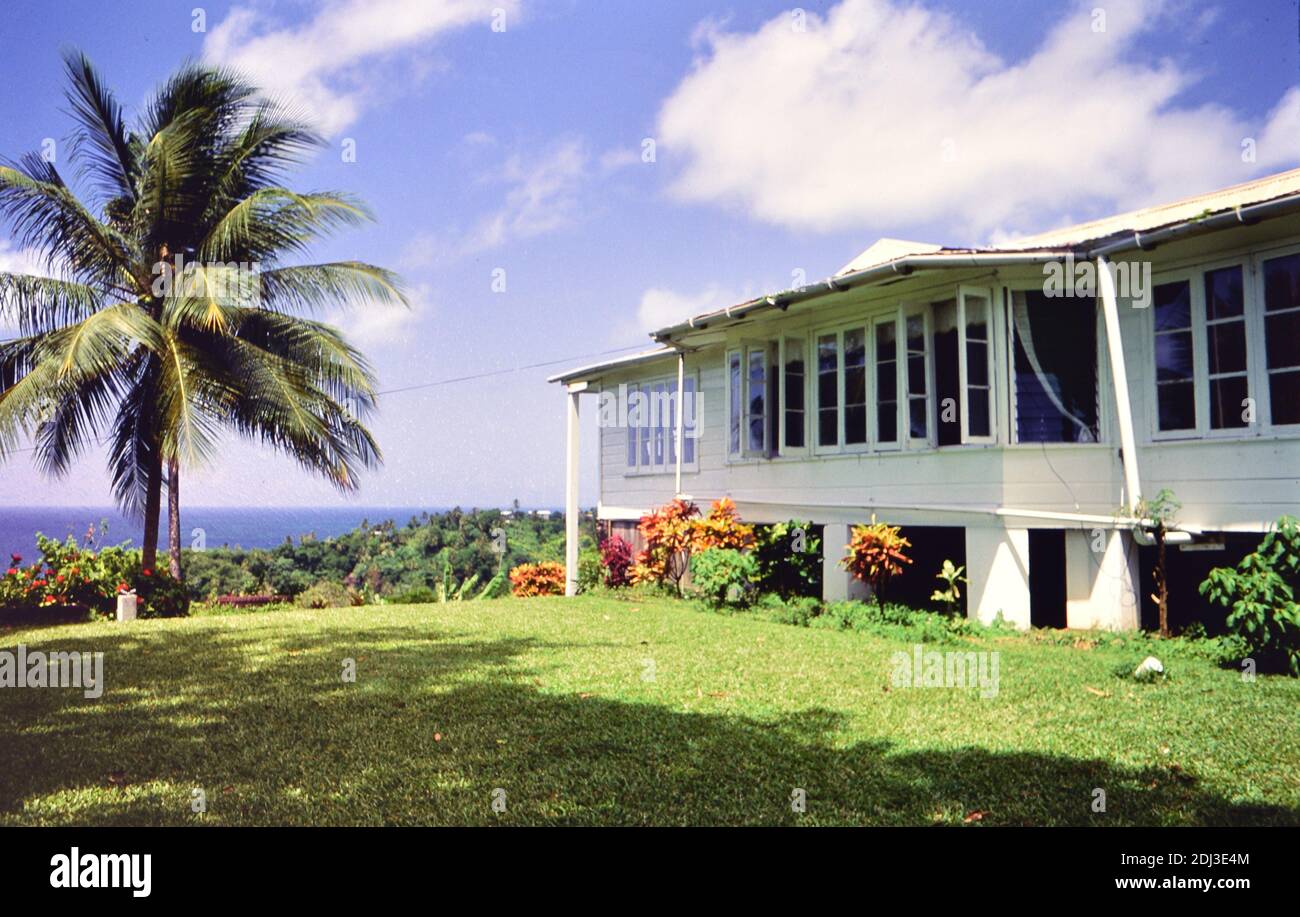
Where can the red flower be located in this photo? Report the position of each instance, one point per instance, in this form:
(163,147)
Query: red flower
(121,587)
(16,558)
(147,571)
(59,578)
(12,571)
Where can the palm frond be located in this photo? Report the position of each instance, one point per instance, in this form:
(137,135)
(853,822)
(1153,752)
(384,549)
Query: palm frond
(35,304)
(312,287)
(101,143)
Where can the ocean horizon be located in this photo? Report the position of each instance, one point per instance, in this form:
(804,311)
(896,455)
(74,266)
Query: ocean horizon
(213,526)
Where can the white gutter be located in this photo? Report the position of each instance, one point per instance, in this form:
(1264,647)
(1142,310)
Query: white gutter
(1012,512)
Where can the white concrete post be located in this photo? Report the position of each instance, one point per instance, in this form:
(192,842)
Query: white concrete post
(838,584)
(127,606)
(571,490)
(1102,577)
(997,565)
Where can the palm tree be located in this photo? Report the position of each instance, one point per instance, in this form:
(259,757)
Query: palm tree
(116,345)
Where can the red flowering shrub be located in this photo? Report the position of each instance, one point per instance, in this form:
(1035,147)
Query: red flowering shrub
(545,578)
(722,528)
(669,536)
(69,576)
(876,555)
(616,558)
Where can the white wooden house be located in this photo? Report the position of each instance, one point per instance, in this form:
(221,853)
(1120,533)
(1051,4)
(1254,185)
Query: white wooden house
(950,391)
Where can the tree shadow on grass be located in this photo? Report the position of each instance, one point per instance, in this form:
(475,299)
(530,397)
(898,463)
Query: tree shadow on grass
(437,728)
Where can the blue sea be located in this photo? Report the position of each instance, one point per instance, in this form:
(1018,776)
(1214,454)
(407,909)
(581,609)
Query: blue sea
(247,527)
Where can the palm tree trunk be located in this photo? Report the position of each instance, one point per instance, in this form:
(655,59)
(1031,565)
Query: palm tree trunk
(152,504)
(174,517)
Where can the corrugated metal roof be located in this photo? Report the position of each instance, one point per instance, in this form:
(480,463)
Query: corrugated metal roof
(1069,238)
(591,370)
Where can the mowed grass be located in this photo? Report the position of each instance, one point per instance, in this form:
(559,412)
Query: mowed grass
(605,711)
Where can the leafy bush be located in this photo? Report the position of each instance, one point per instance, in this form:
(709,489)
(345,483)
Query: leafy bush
(327,594)
(420,595)
(721,528)
(70,576)
(724,576)
(951,576)
(161,595)
(591,573)
(669,537)
(616,558)
(1260,594)
(876,555)
(796,610)
(546,578)
(789,558)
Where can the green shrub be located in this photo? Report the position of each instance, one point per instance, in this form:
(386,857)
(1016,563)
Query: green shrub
(796,610)
(898,622)
(161,596)
(591,573)
(724,577)
(326,595)
(420,595)
(789,558)
(1260,594)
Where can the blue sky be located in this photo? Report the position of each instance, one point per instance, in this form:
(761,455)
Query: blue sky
(784,139)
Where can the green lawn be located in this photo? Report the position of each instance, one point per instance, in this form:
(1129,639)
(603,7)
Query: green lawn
(601,711)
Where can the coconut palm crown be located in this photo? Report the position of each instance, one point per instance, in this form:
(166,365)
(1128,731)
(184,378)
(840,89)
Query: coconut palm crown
(166,313)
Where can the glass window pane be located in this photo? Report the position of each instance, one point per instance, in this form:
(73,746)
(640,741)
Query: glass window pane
(794,429)
(827,390)
(1282,283)
(1226,344)
(886,342)
(887,422)
(1223,293)
(977,363)
(1284,397)
(887,381)
(1226,397)
(855,386)
(734,406)
(855,348)
(1282,339)
(916,375)
(1055,368)
(826,354)
(855,423)
(660,411)
(1173,306)
(917,417)
(1173,356)
(631,428)
(1177,406)
(757,399)
(827,434)
(979,412)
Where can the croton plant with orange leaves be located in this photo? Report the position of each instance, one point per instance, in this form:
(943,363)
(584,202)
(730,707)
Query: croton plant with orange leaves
(876,555)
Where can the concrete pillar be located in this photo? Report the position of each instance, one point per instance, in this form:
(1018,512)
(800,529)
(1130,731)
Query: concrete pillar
(571,491)
(1102,580)
(838,584)
(997,565)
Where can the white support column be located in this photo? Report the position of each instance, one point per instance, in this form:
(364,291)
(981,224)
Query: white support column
(1102,577)
(997,564)
(1119,379)
(571,489)
(838,584)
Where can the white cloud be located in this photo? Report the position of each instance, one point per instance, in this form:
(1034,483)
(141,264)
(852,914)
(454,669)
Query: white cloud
(543,193)
(660,307)
(890,115)
(19,261)
(328,65)
(380,325)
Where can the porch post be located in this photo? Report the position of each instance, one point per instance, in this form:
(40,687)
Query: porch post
(1119,379)
(571,489)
